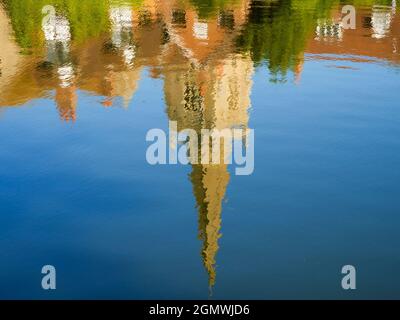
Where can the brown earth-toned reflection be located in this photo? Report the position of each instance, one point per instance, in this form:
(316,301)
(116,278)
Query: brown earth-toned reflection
(376,35)
(110,65)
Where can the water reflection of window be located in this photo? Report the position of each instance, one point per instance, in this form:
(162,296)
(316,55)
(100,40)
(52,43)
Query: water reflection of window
(367,23)
(165,36)
(234,94)
(122,23)
(226,19)
(57,29)
(200,30)
(58,37)
(121,17)
(179,18)
(380,21)
(66,75)
(122,32)
(192,98)
(145,18)
(57,33)
(329,30)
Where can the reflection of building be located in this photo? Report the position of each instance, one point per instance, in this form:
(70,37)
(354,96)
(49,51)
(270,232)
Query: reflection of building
(10,62)
(113,70)
(206,87)
(198,38)
(215,95)
(375,36)
(140,36)
(381,20)
(57,34)
(93,65)
(122,29)
(209,188)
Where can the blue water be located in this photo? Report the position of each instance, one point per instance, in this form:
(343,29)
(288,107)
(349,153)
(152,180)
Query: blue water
(324,194)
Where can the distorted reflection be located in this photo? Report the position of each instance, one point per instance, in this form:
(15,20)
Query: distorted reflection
(214,96)
(56,30)
(329,31)
(206,57)
(122,28)
(381,19)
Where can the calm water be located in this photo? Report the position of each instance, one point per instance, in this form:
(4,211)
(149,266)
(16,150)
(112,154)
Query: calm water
(76,191)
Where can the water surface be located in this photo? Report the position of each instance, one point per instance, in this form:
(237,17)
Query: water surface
(76,191)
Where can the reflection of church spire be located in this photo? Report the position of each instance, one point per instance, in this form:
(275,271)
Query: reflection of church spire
(215,96)
(209,188)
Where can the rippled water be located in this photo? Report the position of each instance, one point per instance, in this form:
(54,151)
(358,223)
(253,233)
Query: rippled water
(81,84)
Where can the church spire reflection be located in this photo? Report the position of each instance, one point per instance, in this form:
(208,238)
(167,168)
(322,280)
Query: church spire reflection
(209,188)
(206,91)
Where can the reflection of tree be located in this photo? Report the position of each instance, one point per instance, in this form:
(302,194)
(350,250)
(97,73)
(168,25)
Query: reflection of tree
(277,31)
(87,18)
(108,64)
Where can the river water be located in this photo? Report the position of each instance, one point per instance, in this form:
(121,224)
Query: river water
(83,82)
